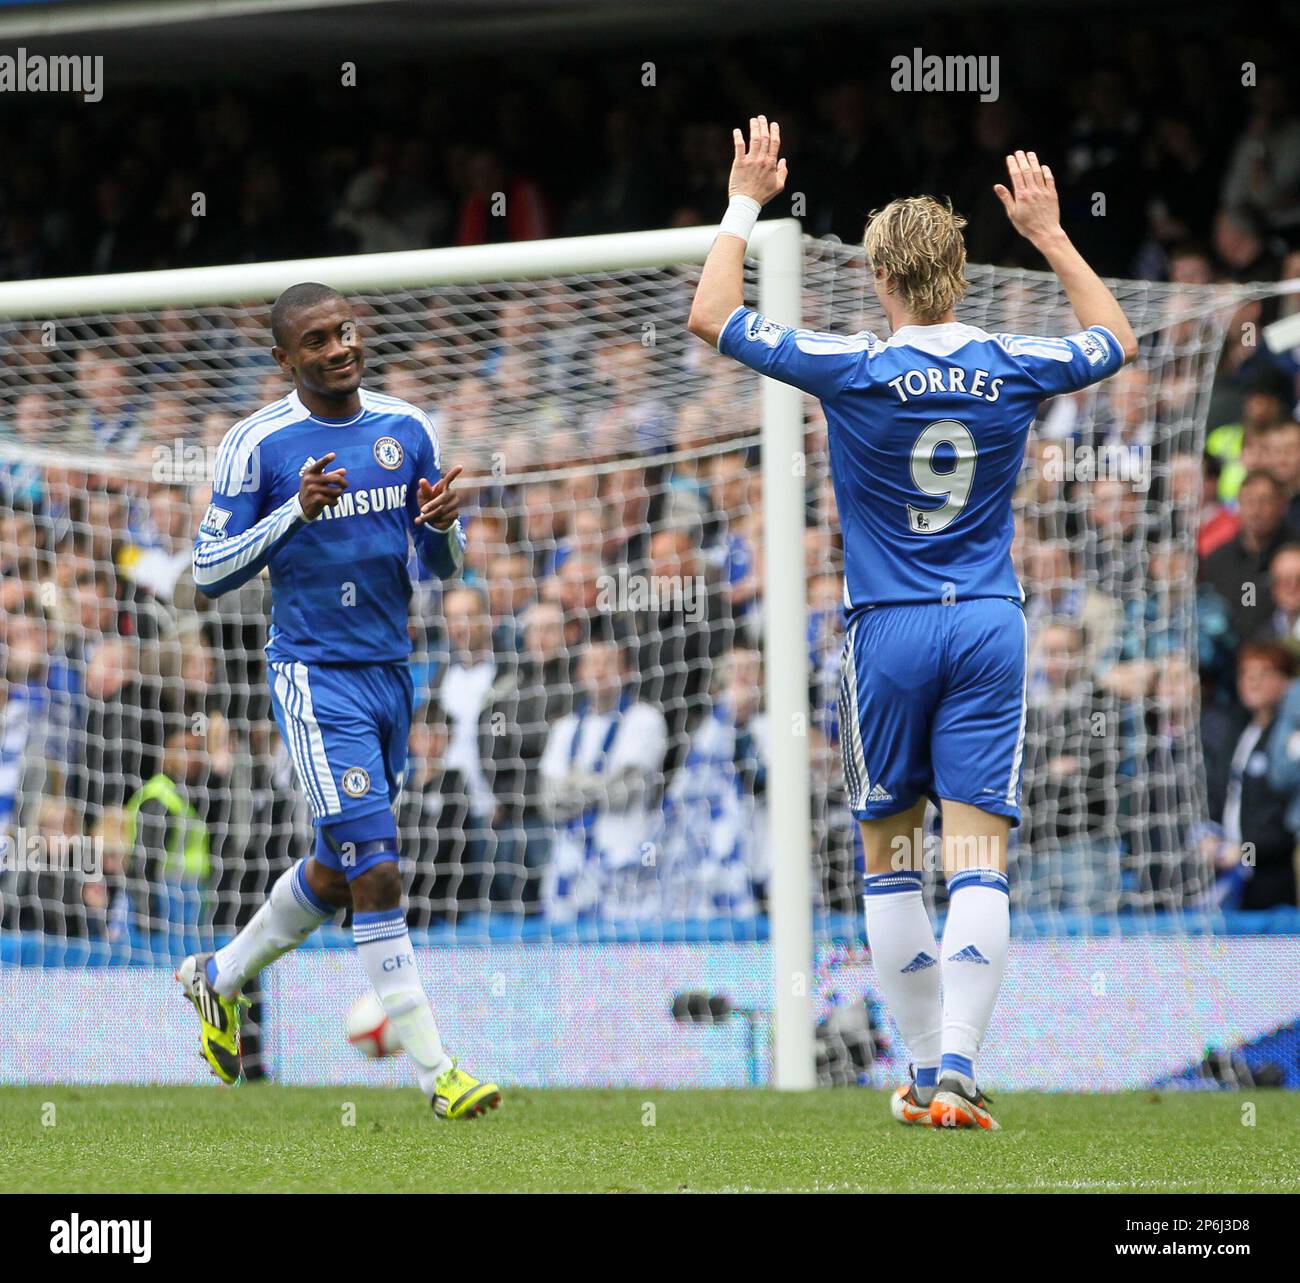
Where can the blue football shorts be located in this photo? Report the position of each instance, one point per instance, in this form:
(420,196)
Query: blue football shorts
(346,728)
(932,704)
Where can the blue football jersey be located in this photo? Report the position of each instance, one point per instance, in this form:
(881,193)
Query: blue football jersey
(340,588)
(927,434)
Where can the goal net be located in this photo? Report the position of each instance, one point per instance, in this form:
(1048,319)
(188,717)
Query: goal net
(618,569)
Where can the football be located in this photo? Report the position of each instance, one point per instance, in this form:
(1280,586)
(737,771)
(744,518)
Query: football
(369,1029)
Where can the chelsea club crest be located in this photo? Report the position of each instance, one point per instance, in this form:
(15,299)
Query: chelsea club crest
(356,781)
(388,453)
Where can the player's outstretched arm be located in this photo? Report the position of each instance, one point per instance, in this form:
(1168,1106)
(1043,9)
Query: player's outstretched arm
(1035,212)
(758,173)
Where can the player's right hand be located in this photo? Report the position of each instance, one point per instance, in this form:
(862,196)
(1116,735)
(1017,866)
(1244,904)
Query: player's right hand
(1031,204)
(320,489)
(757,171)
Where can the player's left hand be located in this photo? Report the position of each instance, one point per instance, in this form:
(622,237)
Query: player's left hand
(757,171)
(439,505)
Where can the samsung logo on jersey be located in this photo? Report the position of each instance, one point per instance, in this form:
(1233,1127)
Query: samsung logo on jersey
(953,379)
(357,503)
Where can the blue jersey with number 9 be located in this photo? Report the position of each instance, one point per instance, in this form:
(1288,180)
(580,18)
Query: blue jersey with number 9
(927,435)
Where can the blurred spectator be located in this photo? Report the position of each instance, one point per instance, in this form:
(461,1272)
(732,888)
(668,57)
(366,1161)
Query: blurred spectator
(1219,520)
(159,559)
(20,557)
(1283,625)
(1263,173)
(110,415)
(510,589)
(277,830)
(1182,195)
(497,205)
(433,816)
(111,752)
(464,694)
(1123,431)
(1268,402)
(680,629)
(600,774)
(24,697)
(530,698)
(1237,570)
(1282,461)
(1242,246)
(825,643)
(106,899)
(1065,859)
(51,900)
(1258,843)
(714,842)
(32,426)
(391,204)
(170,841)
(1056,590)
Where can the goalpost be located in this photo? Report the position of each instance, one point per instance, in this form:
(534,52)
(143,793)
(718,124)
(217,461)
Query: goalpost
(597,438)
(776,249)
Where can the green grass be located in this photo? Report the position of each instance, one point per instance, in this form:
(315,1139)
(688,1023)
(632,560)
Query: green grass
(265,1138)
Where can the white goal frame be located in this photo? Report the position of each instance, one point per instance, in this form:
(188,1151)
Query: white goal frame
(777,248)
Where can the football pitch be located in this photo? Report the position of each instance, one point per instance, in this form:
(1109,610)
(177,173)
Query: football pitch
(262,1138)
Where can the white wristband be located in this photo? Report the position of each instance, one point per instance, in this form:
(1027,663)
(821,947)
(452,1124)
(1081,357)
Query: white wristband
(741,215)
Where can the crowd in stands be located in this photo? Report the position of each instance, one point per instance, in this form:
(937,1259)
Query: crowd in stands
(1189,135)
(590,739)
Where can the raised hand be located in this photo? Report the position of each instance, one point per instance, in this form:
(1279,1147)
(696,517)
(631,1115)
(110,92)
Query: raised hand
(1031,204)
(439,505)
(320,489)
(757,171)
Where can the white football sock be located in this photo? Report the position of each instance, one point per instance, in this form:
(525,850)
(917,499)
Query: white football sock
(975,940)
(906,961)
(285,919)
(384,945)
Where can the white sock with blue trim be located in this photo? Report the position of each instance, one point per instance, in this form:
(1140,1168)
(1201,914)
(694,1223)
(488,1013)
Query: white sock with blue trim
(975,940)
(384,945)
(906,961)
(285,919)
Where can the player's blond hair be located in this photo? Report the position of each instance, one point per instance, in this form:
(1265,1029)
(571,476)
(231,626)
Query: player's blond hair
(918,243)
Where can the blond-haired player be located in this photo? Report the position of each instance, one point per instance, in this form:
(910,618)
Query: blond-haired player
(927,432)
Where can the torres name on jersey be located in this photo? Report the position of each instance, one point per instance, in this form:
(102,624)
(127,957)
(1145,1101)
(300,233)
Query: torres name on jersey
(927,433)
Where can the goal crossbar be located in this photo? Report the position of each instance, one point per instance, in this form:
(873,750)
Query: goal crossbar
(776,248)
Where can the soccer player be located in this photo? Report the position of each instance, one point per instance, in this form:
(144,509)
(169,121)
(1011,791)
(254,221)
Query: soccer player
(927,431)
(326,487)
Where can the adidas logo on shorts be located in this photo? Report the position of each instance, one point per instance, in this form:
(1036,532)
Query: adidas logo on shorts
(879,794)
